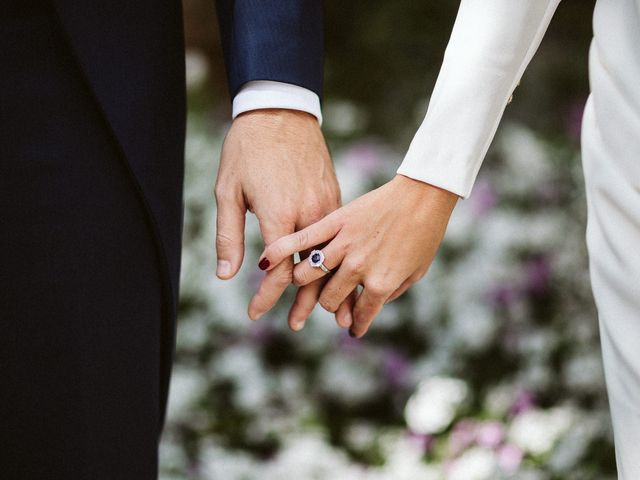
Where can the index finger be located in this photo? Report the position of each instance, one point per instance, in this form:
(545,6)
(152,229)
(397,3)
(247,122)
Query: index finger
(304,239)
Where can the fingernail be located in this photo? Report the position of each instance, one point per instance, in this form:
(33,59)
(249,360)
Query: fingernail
(264,264)
(352,334)
(224,268)
(297,326)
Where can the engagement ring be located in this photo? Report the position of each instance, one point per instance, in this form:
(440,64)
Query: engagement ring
(316,260)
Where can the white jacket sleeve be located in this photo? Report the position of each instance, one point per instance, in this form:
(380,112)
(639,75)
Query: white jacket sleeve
(491,44)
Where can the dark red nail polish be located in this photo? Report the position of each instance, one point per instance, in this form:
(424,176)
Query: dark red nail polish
(264,264)
(352,334)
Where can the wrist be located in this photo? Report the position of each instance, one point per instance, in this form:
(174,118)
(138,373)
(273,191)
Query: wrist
(276,117)
(425,192)
(270,128)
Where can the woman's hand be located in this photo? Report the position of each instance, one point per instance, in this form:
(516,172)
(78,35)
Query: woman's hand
(384,240)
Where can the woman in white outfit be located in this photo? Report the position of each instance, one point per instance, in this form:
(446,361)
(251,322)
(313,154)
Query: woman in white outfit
(386,239)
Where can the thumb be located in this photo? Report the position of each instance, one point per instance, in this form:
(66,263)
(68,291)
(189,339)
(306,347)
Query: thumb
(230,236)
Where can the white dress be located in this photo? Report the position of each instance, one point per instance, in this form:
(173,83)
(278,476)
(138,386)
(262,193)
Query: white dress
(491,45)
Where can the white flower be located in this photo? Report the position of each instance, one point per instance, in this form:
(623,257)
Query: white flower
(347,378)
(584,372)
(474,464)
(192,333)
(242,365)
(196,68)
(400,470)
(309,456)
(361,435)
(404,460)
(433,406)
(530,474)
(187,384)
(171,454)
(473,325)
(536,431)
(499,399)
(571,449)
(343,117)
(523,152)
(217,462)
(460,229)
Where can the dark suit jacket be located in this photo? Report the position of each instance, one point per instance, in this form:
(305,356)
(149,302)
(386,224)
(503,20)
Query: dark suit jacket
(132,54)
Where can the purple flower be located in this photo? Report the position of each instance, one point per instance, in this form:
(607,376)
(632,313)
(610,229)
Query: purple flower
(462,435)
(395,366)
(425,442)
(509,458)
(490,434)
(503,296)
(524,401)
(366,158)
(350,345)
(548,192)
(538,274)
(573,120)
(483,198)
(254,279)
(261,333)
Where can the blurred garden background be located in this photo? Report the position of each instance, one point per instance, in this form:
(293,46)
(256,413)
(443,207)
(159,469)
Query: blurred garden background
(489,368)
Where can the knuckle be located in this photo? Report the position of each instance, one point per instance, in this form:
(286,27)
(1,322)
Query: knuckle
(288,215)
(282,280)
(300,277)
(224,240)
(315,211)
(328,305)
(340,248)
(275,250)
(354,264)
(302,238)
(378,287)
(222,194)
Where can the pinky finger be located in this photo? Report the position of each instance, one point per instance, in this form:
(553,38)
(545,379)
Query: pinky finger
(344,314)
(368,305)
(306,300)
(400,290)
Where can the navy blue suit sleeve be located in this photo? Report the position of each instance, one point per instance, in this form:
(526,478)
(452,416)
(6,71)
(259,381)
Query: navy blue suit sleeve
(279,40)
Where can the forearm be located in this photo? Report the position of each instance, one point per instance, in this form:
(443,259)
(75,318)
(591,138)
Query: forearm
(279,40)
(491,44)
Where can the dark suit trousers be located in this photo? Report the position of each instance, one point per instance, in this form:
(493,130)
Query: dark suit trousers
(80,293)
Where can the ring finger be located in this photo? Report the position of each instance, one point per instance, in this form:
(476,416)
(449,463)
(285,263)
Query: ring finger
(304,273)
(303,305)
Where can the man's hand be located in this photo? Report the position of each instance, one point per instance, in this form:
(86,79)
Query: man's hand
(274,163)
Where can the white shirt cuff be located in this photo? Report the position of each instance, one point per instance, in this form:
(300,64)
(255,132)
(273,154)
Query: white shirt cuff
(259,94)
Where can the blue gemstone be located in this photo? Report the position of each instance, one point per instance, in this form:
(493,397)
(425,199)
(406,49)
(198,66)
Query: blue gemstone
(315,258)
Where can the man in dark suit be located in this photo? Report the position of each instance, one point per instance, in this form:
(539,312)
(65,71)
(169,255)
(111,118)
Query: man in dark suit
(92,121)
